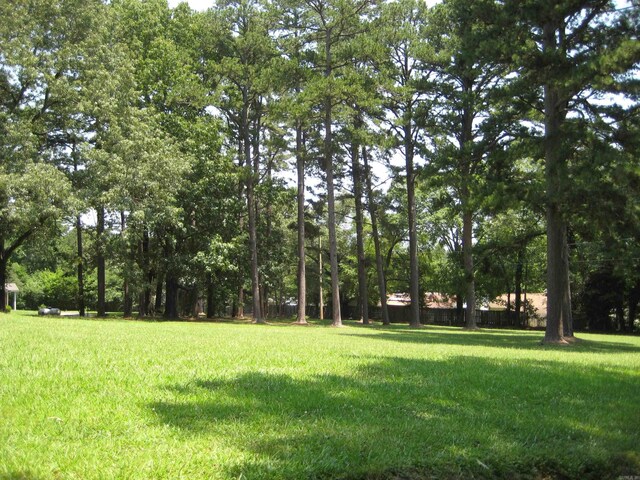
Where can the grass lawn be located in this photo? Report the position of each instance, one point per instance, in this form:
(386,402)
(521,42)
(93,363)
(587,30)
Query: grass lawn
(111,399)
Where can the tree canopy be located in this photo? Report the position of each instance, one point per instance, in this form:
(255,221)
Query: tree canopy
(175,162)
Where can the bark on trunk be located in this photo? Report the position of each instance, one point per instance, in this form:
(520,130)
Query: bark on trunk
(101,268)
(302,281)
(3,277)
(211,307)
(328,165)
(469,276)
(633,299)
(518,282)
(158,302)
(363,294)
(80,270)
(466,142)
(144,296)
(127,301)
(555,166)
(376,240)
(171,302)
(320,282)
(414,288)
(253,241)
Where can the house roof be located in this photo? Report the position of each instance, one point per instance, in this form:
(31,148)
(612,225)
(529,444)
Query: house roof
(11,287)
(431,300)
(538,301)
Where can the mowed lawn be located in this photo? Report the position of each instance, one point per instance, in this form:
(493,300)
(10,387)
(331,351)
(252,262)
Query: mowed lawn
(111,399)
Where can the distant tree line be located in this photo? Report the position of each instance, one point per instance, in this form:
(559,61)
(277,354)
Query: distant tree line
(163,161)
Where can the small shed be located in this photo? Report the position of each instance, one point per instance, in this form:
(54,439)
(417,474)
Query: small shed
(11,288)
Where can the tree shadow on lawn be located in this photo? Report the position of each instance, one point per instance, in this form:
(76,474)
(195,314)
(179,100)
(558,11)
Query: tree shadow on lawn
(494,338)
(403,418)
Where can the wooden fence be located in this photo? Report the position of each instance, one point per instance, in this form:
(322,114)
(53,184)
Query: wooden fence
(428,316)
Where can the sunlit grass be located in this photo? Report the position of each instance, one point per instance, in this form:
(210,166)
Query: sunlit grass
(96,399)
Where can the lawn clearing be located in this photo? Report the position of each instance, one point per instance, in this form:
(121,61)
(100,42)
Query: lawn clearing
(94,399)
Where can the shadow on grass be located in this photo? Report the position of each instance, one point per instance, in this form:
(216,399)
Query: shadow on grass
(19,475)
(397,418)
(494,338)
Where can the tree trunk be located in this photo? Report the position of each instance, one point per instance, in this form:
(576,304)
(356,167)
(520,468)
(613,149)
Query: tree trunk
(80,270)
(363,293)
(382,287)
(158,302)
(459,309)
(302,281)
(633,299)
(3,276)
(466,169)
(171,303)
(253,241)
(555,171)
(127,301)
(567,316)
(328,165)
(211,307)
(320,282)
(414,318)
(470,284)
(518,282)
(145,295)
(101,270)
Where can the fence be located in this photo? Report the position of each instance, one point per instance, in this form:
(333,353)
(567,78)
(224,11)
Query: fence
(428,316)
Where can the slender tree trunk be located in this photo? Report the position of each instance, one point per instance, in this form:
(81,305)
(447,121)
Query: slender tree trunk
(363,291)
(466,142)
(211,307)
(382,285)
(328,165)
(470,284)
(127,301)
(320,281)
(518,282)
(414,319)
(238,304)
(253,241)
(3,276)
(80,270)
(101,270)
(633,299)
(302,281)
(144,299)
(567,312)
(158,302)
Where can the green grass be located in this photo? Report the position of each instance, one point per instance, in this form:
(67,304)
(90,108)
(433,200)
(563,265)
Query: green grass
(108,399)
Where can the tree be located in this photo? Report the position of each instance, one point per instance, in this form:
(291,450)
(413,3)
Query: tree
(404,101)
(38,83)
(578,49)
(473,123)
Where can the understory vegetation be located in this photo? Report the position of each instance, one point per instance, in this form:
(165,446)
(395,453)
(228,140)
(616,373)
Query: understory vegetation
(225,400)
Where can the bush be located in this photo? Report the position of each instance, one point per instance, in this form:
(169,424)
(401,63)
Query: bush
(54,289)
(8,309)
